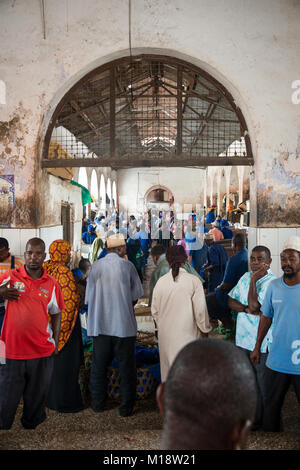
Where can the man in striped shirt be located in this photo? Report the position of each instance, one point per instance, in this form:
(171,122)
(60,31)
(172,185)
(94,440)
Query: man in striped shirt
(7,261)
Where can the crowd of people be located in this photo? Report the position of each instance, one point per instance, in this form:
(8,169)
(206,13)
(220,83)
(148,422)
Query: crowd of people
(196,287)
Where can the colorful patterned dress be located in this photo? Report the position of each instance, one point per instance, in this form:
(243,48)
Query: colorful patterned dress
(65,394)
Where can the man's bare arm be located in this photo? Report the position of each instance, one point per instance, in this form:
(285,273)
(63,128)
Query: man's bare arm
(9,293)
(253,303)
(236,305)
(263,328)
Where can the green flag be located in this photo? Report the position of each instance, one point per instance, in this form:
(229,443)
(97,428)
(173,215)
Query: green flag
(85,194)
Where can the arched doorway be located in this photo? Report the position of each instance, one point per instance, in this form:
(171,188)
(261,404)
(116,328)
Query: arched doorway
(102,194)
(94,190)
(150,110)
(82,177)
(233,196)
(158,197)
(114,194)
(108,194)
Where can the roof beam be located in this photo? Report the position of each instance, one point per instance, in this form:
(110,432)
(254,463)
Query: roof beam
(134,162)
(179,110)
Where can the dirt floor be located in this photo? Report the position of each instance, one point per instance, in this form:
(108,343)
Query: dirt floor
(142,431)
(87,430)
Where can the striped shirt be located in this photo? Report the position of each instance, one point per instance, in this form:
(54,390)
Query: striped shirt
(6,264)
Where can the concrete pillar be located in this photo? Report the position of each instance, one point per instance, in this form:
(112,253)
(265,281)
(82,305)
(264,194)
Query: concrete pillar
(218,178)
(227,177)
(89,176)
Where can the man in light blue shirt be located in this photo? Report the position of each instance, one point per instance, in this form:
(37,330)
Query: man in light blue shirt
(113,288)
(281,305)
(246,298)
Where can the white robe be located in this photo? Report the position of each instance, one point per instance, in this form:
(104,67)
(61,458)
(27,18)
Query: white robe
(180,312)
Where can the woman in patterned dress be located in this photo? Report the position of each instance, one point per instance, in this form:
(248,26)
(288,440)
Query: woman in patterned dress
(65,395)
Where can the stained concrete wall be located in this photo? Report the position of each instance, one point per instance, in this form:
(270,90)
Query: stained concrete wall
(252,48)
(58,191)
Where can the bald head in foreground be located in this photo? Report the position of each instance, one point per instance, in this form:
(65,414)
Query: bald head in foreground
(209,398)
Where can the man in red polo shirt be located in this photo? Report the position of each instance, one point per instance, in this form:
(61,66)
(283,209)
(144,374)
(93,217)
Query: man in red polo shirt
(27,338)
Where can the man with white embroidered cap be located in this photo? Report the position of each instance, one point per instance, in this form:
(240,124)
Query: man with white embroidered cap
(282,305)
(113,287)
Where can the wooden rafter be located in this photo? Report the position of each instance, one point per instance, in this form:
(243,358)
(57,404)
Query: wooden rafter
(172,160)
(200,116)
(85,117)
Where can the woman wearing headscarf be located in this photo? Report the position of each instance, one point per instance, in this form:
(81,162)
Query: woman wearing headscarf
(65,395)
(178,308)
(95,250)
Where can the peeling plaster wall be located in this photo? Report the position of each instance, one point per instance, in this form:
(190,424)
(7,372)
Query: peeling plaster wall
(279,193)
(58,191)
(18,158)
(256,59)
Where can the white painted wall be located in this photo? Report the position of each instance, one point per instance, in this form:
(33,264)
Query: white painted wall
(273,238)
(17,238)
(186,185)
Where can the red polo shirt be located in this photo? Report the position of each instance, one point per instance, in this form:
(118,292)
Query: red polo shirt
(26,332)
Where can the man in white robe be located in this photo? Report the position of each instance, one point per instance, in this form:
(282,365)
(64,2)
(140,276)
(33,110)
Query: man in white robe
(180,312)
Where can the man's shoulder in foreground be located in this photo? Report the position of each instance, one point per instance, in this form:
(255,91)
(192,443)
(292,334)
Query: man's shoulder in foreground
(277,282)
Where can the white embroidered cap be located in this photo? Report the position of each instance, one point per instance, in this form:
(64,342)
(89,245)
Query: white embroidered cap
(292,243)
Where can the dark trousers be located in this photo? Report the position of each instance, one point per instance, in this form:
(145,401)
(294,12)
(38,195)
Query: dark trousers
(31,379)
(260,373)
(215,310)
(64,393)
(2,312)
(105,348)
(276,387)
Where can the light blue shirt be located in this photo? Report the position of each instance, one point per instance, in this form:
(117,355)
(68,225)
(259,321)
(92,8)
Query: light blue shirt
(282,304)
(113,285)
(247,323)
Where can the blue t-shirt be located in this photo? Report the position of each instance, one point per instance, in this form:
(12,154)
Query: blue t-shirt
(227,233)
(145,240)
(77,273)
(210,217)
(216,257)
(88,237)
(199,257)
(236,267)
(282,304)
(103,253)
